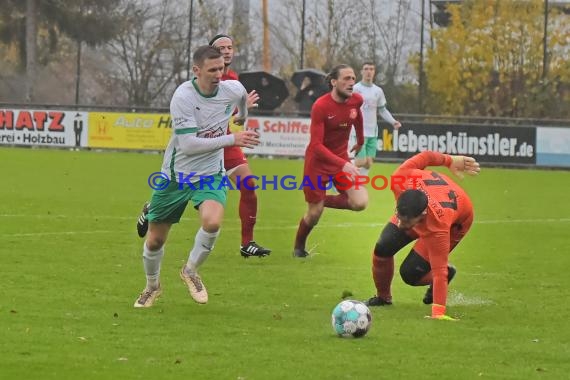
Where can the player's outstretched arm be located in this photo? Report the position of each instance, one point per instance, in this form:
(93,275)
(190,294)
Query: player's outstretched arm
(246,139)
(461,165)
(350,169)
(252,98)
(356,148)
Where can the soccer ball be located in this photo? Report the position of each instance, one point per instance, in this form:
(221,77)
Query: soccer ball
(351,319)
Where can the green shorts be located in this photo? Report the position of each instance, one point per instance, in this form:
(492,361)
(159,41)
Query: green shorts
(169,204)
(369,148)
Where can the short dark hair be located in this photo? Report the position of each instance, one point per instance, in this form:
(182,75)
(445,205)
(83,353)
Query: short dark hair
(203,53)
(217,37)
(369,63)
(411,203)
(334,74)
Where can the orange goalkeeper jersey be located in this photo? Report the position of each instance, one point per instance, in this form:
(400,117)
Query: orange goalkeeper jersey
(448,218)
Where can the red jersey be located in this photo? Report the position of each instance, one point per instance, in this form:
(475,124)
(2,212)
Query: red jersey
(331,123)
(230,75)
(449,214)
(233,155)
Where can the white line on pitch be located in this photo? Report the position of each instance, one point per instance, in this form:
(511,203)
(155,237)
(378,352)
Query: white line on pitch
(263,228)
(31,234)
(338,225)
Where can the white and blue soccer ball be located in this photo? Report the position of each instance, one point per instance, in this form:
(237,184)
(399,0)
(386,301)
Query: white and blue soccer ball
(351,319)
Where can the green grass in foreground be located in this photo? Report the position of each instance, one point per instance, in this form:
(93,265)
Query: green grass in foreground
(71,269)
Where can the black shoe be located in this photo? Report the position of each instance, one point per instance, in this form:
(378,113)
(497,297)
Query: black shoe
(428,297)
(377,301)
(142,222)
(253,249)
(301,253)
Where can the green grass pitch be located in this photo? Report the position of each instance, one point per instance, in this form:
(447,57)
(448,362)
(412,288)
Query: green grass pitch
(71,268)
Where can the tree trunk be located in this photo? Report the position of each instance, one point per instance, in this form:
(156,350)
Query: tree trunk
(241,35)
(31,32)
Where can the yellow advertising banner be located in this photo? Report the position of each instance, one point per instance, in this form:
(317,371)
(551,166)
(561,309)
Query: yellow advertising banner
(123,130)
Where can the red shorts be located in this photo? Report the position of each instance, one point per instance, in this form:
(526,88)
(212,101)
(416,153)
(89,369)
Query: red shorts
(233,157)
(316,185)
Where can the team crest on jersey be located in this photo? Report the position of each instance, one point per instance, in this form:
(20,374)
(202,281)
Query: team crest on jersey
(353,113)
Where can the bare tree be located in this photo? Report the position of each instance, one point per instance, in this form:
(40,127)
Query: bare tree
(31,48)
(339,31)
(150,50)
(392,35)
(331,33)
(212,17)
(240,32)
(286,34)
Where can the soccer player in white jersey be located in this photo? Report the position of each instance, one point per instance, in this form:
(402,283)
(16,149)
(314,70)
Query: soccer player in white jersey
(200,111)
(374,104)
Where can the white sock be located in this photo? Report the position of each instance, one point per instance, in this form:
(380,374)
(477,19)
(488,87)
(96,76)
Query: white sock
(151,262)
(364,171)
(203,245)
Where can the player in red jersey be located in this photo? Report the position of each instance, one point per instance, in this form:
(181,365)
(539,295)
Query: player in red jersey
(332,117)
(236,166)
(436,212)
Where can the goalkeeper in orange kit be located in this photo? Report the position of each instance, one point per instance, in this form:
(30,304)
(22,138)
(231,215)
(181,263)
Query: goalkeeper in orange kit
(436,212)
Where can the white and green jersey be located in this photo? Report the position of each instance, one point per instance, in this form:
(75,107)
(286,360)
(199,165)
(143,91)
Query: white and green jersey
(373,100)
(200,126)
